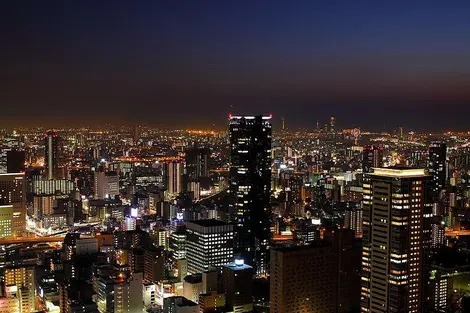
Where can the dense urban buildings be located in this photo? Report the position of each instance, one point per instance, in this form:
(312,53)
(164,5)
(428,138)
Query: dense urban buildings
(250,185)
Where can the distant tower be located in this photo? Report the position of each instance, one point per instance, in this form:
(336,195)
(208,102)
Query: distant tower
(332,124)
(356,133)
(136,134)
(51,143)
(283,124)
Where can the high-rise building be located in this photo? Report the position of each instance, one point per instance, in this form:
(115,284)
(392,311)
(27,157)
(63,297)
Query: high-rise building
(353,220)
(372,156)
(178,242)
(13,192)
(437,166)
(51,161)
(237,285)
(209,243)
(154,268)
(174,177)
(250,186)
(197,165)
(15,161)
(303,279)
(106,184)
(394,217)
(347,254)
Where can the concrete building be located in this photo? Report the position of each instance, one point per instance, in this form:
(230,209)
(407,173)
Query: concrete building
(303,279)
(237,285)
(209,244)
(13,192)
(394,218)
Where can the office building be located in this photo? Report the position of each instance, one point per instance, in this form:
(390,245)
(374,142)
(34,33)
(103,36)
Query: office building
(394,213)
(353,220)
(154,268)
(372,156)
(347,253)
(250,187)
(106,184)
(51,160)
(6,221)
(174,178)
(178,242)
(197,166)
(209,243)
(13,192)
(16,161)
(303,279)
(437,166)
(237,285)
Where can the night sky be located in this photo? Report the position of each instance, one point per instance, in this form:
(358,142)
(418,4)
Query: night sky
(375,64)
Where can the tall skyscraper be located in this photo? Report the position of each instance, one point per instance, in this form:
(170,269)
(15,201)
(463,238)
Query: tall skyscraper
(372,156)
(15,161)
(197,166)
(13,192)
(174,177)
(437,166)
(51,143)
(209,244)
(250,186)
(394,218)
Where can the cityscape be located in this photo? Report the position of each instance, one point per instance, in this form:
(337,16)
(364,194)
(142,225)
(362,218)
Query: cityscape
(235,157)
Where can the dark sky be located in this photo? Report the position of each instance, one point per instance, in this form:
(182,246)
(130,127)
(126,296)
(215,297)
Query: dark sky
(176,63)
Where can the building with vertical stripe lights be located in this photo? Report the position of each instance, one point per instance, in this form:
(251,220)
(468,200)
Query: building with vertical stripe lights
(392,258)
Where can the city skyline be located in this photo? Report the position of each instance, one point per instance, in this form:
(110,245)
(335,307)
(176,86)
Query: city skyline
(192,64)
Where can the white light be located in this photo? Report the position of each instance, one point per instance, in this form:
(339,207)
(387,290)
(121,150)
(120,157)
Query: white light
(239,262)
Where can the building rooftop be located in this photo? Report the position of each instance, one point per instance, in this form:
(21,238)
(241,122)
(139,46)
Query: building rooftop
(238,265)
(209,223)
(399,172)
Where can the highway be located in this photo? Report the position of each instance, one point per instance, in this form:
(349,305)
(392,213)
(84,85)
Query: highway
(455,233)
(23,240)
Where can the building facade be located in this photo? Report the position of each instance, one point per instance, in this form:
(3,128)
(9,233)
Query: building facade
(394,217)
(250,186)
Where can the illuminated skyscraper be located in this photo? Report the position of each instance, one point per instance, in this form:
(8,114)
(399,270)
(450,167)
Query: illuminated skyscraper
(174,177)
(51,143)
(13,192)
(250,186)
(437,166)
(372,156)
(394,217)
